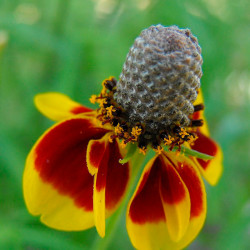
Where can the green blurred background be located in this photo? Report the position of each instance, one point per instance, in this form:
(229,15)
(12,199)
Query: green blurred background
(70,46)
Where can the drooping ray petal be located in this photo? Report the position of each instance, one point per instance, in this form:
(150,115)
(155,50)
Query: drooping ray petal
(56,181)
(110,184)
(146,222)
(99,192)
(191,177)
(118,176)
(58,106)
(200,114)
(175,200)
(211,169)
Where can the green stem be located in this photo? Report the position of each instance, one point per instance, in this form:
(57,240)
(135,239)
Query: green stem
(99,243)
(190,152)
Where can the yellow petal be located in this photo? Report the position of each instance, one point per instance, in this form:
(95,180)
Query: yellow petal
(100,178)
(99,209)
(56,181)
(57,211)
(58,106)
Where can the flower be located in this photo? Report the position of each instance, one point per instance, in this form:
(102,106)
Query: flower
(74,177)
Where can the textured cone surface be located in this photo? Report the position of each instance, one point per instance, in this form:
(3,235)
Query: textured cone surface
(160,78)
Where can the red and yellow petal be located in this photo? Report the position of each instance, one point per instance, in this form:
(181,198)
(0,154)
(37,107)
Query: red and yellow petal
(118,176)
(110,184)
(145,215)
(58,106)
(168,207)
(211,169)
(56,182)
(192,179)
(159,211)
(99,201)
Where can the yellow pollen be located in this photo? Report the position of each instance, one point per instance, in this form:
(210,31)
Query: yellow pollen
(118,129)
(142,150)
(136,131)
(169,140)
(110,110)
(158,150)
(192,138)
(93,99)
(102,102)
(183,133)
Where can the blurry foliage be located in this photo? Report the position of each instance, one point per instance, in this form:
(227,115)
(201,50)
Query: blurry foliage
(70,46)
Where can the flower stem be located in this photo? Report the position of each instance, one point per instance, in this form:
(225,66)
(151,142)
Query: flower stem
(190,152)
(137,163)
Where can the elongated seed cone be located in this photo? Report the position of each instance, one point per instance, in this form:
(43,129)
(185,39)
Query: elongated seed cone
(160,78)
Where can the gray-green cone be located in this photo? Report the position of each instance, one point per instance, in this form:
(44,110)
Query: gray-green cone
(160,78)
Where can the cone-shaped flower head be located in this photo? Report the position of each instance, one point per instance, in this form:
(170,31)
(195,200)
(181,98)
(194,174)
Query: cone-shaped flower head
(160,78)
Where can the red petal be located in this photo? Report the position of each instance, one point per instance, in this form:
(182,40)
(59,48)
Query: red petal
(61,159)
(102,171)
(110,183)
(117,177)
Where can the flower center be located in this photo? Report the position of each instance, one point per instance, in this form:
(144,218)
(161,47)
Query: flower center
(152,103)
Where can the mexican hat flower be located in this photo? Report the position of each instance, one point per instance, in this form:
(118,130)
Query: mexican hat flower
(78,172)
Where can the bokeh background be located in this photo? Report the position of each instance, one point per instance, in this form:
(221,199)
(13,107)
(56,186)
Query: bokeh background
(70,46)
